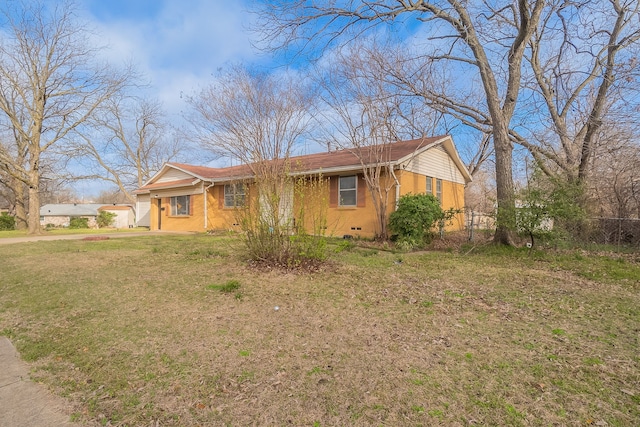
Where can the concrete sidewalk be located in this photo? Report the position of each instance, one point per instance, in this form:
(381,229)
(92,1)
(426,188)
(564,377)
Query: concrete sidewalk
(24,403)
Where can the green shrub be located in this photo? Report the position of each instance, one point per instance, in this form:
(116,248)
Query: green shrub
(7,222)
(308,247)
(77,223)
(550,209)
(345,245)
(414,221)
(105,219)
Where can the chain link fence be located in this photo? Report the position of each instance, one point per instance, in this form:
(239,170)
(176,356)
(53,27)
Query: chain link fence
(480,225)
(591,233)
(618,232)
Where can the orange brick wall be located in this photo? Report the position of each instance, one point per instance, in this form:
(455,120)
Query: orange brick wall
(312,209)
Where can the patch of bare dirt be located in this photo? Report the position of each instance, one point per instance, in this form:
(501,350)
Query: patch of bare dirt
(95,238)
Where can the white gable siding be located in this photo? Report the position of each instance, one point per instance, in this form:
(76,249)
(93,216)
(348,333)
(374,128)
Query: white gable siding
(435,162)
(173,175)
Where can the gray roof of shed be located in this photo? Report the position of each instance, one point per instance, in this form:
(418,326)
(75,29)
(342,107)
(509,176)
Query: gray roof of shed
(71,209)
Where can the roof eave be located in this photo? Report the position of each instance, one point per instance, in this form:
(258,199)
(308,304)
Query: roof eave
(332,170)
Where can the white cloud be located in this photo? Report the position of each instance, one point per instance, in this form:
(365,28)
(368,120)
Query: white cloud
(176,46)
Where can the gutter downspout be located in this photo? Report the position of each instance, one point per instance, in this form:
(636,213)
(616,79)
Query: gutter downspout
(395,178)
(204,197)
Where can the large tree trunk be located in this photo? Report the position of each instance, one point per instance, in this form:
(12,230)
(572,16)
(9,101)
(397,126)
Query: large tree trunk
(20,206)
(504,186)
(34,203)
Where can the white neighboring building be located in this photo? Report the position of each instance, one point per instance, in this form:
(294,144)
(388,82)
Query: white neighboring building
(125,216)
(60,214)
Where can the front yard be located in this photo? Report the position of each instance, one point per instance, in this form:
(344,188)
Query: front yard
(179,331)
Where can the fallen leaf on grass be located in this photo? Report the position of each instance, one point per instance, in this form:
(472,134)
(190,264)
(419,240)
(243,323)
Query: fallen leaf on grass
(539,386)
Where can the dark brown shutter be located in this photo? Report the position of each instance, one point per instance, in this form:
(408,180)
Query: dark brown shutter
(333,191)
(362,192)
(191,199)
(221,197)
(166,202)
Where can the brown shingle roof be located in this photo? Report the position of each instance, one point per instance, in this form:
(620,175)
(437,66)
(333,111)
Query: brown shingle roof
(345,158)
(334,161)
(340,159)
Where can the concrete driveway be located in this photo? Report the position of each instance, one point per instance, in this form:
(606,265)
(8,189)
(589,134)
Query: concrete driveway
(26,239)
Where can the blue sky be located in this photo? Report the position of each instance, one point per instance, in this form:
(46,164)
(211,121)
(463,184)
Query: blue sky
(176,44)
(179,44)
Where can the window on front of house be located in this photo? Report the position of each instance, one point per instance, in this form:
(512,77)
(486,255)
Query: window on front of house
(429,185)
(439,190)
(234,195)
(180,205)
(347,190)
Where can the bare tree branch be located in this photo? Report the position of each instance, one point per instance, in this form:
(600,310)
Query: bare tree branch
(129,142)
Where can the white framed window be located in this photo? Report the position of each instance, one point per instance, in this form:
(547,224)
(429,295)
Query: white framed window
(180,205)
(347,190)
(439,190)
(234,195)
(429,185)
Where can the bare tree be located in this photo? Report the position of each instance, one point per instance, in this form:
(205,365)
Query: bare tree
(485,39)
(257,119)
(617,192)
(414,81)
(365,115)
(14,190)
(130,142)
(49,86)
(113,195)
(56,191)
(250,116)
(583,76)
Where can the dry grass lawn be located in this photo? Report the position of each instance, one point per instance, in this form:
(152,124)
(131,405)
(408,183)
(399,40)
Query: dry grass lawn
(179,331)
